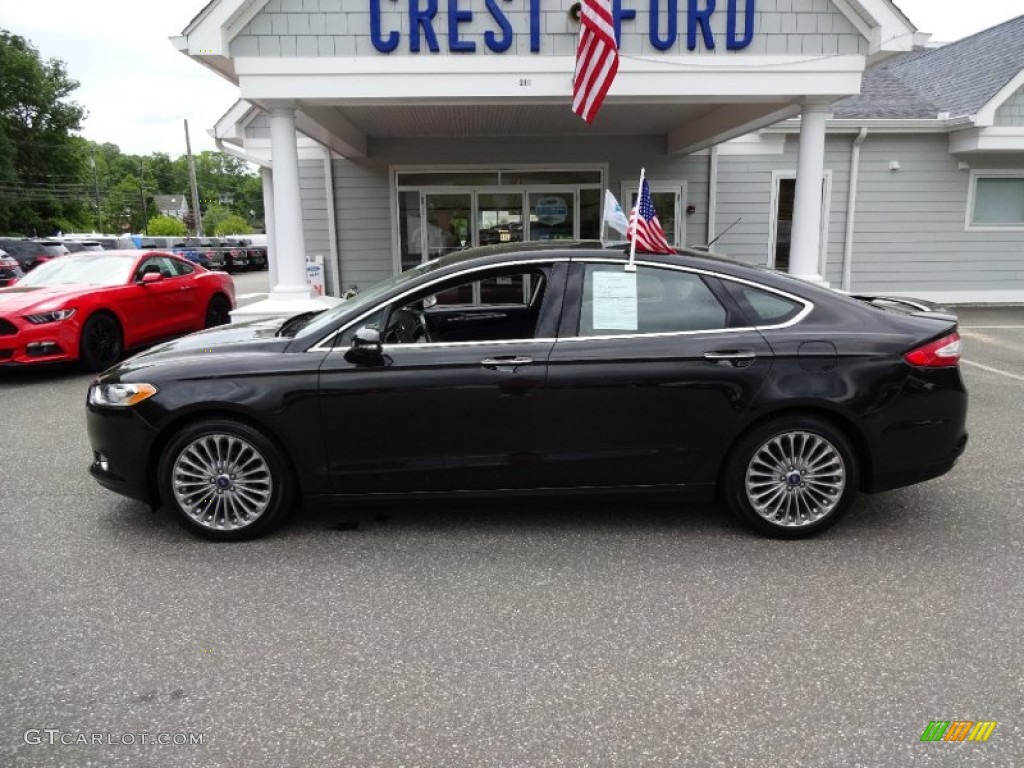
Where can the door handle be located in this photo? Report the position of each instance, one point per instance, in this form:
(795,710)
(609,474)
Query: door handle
(499,363)
(734,357)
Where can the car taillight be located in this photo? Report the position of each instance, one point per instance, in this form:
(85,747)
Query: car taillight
(943,353)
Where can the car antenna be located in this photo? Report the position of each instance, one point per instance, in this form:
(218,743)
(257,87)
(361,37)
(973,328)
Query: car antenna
(724,232)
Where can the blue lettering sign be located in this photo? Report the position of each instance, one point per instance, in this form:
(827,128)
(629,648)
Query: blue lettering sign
(621,13)
(662,27)
(496,44)
(381,44)
(422,18)
(456,17)
(732,42)
(535,26)
(663,44)
(700,17)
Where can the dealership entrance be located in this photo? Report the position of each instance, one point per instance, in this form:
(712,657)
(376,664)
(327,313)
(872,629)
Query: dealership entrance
(444,211)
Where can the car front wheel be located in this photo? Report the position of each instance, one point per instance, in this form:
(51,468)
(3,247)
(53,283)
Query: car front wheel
(225,480)
(791,477)
(218,312)
(101,343)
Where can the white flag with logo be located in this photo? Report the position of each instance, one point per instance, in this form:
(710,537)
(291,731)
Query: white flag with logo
(614,216)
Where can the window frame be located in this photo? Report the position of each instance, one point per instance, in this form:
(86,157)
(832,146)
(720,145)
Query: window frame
(972,188)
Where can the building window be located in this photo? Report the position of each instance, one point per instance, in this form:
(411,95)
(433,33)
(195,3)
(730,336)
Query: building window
(997,202)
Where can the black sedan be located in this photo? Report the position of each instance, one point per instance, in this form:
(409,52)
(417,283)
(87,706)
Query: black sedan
(541,369)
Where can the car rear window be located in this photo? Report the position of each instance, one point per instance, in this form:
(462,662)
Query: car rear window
(763,307)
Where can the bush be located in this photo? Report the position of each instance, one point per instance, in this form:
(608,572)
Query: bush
(165,226)
(232,225)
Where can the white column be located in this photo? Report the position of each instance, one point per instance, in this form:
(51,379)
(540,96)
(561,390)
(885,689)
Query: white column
(288,237)
(268,214)
(805,245)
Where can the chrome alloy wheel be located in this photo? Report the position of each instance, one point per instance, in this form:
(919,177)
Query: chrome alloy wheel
(222,482)
(795,479)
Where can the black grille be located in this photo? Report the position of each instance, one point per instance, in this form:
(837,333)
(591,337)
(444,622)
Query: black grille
(7,328)
(6,354)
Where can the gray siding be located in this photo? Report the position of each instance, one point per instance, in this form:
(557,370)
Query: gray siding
(1011,114)
(315,225)
(745,192)
(363,200)
(326,28)
(910,229)
(258,128)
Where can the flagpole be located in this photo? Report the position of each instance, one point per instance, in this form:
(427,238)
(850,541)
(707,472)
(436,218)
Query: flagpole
(631,265)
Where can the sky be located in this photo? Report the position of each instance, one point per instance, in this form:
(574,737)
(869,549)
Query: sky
(138,89)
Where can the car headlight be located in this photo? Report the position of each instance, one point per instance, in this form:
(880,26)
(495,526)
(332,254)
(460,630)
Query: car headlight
(120,395)
(50,317)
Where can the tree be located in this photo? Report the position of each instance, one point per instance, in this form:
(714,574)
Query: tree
(43,171)
(165,226)
(233,224)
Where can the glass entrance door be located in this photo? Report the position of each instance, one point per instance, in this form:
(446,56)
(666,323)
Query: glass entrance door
(499,217)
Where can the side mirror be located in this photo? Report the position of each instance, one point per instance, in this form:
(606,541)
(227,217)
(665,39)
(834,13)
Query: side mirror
(151,277)
(366,347)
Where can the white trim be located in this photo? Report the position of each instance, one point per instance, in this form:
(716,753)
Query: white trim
(760,143)
(986,116)
(975,174)
(500,80)
(534,64)
(826,211)
(994,296)
(1001,139)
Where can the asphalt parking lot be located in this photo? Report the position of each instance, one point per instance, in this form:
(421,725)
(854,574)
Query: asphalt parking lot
(572,634)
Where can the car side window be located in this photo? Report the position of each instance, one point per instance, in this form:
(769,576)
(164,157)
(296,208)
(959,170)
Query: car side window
(507,307)
(763,307)
(181,268)
(651,300)
(160,265)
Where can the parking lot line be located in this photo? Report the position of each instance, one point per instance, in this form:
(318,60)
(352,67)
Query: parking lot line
(990,369)
(249,296)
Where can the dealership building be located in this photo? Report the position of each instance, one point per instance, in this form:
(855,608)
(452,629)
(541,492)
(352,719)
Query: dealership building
(823,137)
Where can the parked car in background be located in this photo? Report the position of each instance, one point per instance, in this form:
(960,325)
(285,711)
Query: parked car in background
(10,270)
(107,242)
(691,375)
(91,307)
(31,252)
(77,246)
(214,251)
(236,255)
(190,248)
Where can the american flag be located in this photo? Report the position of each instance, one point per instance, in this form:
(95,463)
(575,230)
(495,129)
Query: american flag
(644,226)
(597,59)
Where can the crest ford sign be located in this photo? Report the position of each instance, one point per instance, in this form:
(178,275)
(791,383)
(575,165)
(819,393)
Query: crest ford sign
(431,21)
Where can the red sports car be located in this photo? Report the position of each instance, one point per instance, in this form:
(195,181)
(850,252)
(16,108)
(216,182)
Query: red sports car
(91,307)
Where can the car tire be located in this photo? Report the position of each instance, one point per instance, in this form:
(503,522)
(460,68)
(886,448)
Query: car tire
(791,477)
(100,344)
(225,480)
(218,312)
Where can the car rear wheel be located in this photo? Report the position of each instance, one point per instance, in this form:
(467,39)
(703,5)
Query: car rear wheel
(218,312)
(791,477)
(101,343)
(225,480)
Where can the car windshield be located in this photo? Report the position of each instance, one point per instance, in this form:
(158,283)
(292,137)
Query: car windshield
(92,269)
(364,300)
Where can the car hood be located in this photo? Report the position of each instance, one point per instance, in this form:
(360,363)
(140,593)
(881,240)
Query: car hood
(21,298)
(253,337)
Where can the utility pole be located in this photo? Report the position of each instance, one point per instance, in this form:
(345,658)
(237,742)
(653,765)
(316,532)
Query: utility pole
(96,182)
(142,196)
(196,215)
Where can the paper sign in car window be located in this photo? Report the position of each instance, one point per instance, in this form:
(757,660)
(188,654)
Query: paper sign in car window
(615,301)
